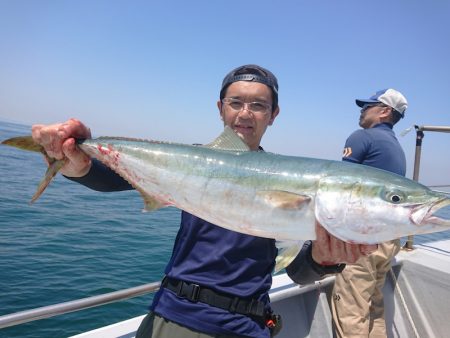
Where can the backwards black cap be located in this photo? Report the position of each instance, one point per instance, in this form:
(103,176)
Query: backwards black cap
(252,73)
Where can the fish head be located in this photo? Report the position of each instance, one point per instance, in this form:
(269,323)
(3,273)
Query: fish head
(377,209)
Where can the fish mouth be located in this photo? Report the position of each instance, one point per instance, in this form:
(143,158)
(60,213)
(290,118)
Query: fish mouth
(433,213)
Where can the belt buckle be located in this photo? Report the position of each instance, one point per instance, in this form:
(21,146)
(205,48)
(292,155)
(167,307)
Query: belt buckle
(189,291)
(195,293)
(234,304)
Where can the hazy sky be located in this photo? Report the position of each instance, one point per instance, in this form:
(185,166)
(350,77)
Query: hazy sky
(153,69)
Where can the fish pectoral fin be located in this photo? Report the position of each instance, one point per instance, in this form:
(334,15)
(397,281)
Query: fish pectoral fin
(284,199)
(228,140)
(287,251)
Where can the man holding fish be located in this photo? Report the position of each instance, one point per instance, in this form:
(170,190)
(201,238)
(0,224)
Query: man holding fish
(217,280)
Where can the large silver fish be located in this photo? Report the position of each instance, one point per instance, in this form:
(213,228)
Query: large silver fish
(266,194)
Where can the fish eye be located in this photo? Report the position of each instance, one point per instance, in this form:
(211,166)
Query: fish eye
(394,197)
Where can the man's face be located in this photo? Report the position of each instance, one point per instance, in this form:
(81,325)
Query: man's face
(249,125)
(372,114)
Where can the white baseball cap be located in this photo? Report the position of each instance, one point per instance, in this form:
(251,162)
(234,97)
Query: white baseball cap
(390,97)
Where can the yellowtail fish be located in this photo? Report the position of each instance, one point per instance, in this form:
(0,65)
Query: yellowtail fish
(265,194)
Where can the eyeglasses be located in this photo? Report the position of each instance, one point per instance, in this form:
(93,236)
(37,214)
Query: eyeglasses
(257,107)
(370,105)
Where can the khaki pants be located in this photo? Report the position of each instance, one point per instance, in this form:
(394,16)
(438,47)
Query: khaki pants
(357,300)
(157,327)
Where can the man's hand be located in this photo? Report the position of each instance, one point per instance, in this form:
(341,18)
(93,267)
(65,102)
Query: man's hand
(58,141)
(329,250)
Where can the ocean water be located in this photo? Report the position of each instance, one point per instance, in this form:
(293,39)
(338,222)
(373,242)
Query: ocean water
(75,243)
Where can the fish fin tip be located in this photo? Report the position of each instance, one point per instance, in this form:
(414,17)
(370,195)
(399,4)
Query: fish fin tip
(151,203)
(287,251)
(228,140)
(152,207)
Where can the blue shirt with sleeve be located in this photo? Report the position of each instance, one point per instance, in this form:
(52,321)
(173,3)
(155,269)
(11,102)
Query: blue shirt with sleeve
(376,147)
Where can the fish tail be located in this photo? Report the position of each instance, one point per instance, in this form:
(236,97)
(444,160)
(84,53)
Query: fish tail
(27,143)
(51,172)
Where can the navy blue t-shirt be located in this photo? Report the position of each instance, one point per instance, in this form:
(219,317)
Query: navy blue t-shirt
(376,147)
(211,256)
(225,261)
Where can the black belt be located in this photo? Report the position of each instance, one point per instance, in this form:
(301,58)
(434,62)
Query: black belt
(196,293)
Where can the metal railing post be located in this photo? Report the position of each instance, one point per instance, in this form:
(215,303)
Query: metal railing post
(419,136)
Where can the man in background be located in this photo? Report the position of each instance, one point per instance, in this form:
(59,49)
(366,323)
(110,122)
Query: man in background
(357,301)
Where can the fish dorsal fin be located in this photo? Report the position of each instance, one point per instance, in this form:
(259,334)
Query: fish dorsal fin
(228,140)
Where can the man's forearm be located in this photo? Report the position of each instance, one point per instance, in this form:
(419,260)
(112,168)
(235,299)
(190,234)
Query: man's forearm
(304,270)
(102,178)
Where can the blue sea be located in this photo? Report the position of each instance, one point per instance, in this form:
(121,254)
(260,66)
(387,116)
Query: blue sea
(74,243)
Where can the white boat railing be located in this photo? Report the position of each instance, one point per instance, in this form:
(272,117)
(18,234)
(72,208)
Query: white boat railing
(75,305)
(276,293)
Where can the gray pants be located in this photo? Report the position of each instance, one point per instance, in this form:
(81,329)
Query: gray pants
(158,327)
